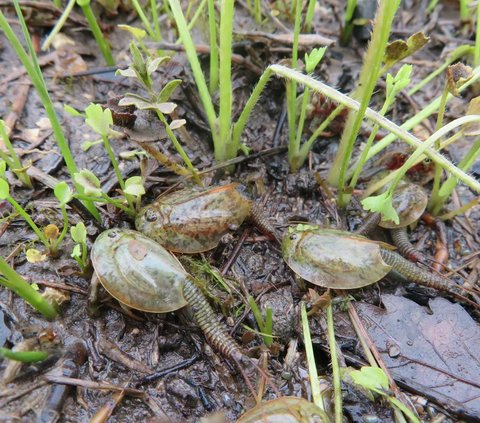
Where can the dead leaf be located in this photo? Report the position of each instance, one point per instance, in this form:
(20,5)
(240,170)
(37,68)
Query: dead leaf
(438,350)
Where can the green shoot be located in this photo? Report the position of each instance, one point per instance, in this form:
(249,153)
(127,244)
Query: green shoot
(291,88)
(92,191)
(213,84)
(13,281)
(23,356)
(59,25)
(64,195)
(97,32)
(79,253)
(368,78)
(394,86)
(456,75)
(264,325)
(312,367)
(29,61)
(100,120)
(5,195)
(141,70)
(374,379)
(154,34)
(298,154)
(348,22)
(337,384)
(11,159)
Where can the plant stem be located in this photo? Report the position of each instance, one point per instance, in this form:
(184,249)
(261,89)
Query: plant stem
(312,368)
(368,78)
(293,145)
(64,229)
(158,34)
(337,384)
(213,47)
(21,287)
(247,110)
(450,184)
(396,131)
(97,32)
(144,20)
(29,220)
(113,160)
(179,148)
(307,25)
(59,25)
(197,72)
(434,198)
(23,356)
(225,83)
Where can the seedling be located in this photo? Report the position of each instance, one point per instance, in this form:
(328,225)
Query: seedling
(141,70)
(11,159)
(264,325)
(375,380)
(297,154)
(13,281)
(79,253)
(97,32)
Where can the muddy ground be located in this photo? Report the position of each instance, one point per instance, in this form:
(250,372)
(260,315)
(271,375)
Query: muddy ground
(429,344)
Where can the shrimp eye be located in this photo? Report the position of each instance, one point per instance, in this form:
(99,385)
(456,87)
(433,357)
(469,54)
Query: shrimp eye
(151,216)
(294,237)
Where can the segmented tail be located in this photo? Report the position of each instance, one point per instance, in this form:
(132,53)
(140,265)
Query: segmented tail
(405,247)
(214,330)
(424,277)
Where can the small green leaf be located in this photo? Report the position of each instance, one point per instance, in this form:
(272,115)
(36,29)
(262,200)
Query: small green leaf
(4,189)
(98,119)
(177,123)
(71,111)
(138,33)
(86,145)
(79,233)
(63,192)
(312,59)
(372,378)
(399,82)
(134,186)
(168,90)
(383,204)
(152,65)
(128,73)
(89,182)
(76,252)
